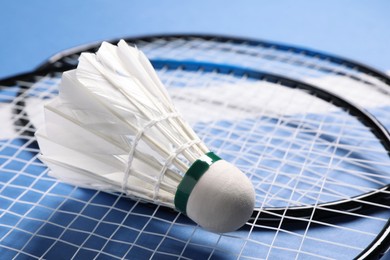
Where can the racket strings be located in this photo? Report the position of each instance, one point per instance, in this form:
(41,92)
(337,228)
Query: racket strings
(291,62)
(262,53)
(293,158)
(341,78)
(296,182)
(337,77)
(296,129)
(345,127)
(318,197)
(297,152)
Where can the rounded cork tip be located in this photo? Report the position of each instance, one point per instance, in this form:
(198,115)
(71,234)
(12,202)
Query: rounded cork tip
(223,198)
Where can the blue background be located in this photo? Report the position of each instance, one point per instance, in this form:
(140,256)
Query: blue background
(32,31)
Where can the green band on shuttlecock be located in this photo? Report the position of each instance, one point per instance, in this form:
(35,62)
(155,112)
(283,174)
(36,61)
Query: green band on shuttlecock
(187,184)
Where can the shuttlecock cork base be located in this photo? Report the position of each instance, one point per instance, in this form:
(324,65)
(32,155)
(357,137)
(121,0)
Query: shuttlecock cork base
(113,127)
(215,194)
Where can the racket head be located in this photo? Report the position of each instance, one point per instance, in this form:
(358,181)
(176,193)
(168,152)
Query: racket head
(175,235)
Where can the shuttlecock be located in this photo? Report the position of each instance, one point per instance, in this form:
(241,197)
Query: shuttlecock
(113,127)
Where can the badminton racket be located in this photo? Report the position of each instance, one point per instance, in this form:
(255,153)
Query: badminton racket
(317,157)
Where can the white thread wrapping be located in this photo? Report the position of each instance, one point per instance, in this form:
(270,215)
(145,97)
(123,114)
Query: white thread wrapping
(137,138)
(169,162)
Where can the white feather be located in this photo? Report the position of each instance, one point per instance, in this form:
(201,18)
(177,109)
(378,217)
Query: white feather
(113,127)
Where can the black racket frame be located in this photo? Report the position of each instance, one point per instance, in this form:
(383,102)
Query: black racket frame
(261,216)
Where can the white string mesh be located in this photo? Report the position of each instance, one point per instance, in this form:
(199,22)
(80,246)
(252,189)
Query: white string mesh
(296,149)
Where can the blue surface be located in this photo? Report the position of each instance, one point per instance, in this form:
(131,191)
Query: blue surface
(32,31)
(51,220)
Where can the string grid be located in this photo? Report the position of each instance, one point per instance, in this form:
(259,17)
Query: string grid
(296,148)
